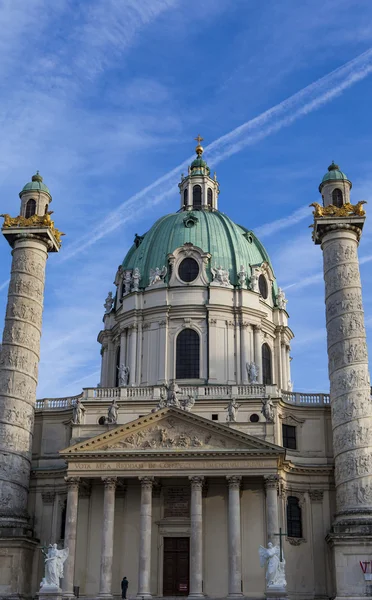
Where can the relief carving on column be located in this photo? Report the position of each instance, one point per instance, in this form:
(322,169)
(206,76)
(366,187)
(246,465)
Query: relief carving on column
(16,467)
(350,437)
(271,482)
(30,262)
(347,380)
(353,465)
(342,276)
(110,482)
(338,252)
(346,352)
(15,439)
(19,414)
(348,325)
(196,482)
(21,308)
(21,333)
(345,408)
(28,287)
(234,481)
(17,384)
(345,301)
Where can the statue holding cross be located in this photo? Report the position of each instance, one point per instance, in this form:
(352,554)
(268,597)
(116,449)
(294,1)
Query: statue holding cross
(272,557)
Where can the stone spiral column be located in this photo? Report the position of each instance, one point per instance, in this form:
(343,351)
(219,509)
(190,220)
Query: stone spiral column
(272,514)
(18,377)
(234,533)
(70,535)
(107,548)
(348,372)
(196,538)
(144,570)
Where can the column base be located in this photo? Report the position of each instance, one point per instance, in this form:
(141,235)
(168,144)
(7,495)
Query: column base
(106,596)
(145,596)
(235,595)
(195,596)
(51,593)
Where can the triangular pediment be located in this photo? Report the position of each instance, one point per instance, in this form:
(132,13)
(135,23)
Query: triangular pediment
(172,430)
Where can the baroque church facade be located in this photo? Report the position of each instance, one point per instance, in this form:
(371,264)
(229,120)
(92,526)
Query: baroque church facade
(194,450)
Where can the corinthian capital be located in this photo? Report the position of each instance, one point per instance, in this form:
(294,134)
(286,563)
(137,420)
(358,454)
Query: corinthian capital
(147,482)
(196,482)
(271,482)
(110,482)
(234,481)
(72,483)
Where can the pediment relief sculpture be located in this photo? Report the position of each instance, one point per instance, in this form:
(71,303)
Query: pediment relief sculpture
(173,434)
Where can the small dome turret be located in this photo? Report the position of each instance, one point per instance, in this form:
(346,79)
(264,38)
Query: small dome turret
(198,190)
(36,184)
(335,187)
(35,197)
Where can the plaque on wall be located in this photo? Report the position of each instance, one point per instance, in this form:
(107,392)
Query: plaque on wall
(177,501)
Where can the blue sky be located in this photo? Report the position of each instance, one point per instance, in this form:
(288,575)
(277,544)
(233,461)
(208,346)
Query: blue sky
(106,97)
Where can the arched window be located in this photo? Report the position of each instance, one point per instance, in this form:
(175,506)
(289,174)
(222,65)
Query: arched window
(117,366)
(210,197)
(187,355)
(262,286)
(185,196)
(196,196)
(45,209)
(337,197)
(266,365)
(294,519)
(30,208)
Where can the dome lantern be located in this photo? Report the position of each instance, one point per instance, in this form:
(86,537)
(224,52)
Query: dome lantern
(198,190)
(335,186)
(35,197)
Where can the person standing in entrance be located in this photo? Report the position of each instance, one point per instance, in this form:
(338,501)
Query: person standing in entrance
(124,587)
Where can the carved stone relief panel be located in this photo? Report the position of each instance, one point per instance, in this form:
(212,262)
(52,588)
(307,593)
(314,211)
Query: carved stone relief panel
(13,500)
(15,439)
(353,464)
(350,437)
(25,285)
(351,406)
(347,379)
(21,333)
(22,308)
(19,413)
(14,467)
(340,251)
(342,276)
(173,433)
(347,352)
(344,301)
(29,261)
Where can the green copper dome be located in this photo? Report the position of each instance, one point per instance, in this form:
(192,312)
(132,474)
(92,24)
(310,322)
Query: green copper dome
(334,174)
(36,184)
(229,244)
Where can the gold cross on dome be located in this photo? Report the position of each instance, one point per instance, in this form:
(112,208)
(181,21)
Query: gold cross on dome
(199,139)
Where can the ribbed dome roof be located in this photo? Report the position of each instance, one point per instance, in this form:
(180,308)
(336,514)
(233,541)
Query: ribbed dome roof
(36,183)
(229,244)
(334,174)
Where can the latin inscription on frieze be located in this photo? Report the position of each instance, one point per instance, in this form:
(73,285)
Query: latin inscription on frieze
(176,501)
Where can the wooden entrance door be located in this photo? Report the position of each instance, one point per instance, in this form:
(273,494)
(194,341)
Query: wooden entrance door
(176,567)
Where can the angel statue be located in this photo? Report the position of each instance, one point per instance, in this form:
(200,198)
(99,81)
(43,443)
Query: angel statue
(108,303)
(78,411)
(220,276)
(252,370)
(232,411)
(188,403)
(157,275)
(136,278)
(253,282)
(268,409)
(112,413)
(281,300)
(275,569)
(123,375)
(54,560)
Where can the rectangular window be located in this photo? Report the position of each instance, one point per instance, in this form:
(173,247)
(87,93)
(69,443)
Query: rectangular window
(289,436)
(214,417)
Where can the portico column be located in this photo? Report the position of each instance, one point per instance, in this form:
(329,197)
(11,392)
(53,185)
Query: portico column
(258,350)
(70,535)
(196,539)
(272,515)
(107,548)
(235,549)
(144,569)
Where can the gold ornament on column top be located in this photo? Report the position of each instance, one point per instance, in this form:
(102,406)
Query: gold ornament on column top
(346,210)
(33,221)
(199,149)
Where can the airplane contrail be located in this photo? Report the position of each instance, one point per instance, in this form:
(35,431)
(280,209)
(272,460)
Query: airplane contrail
(271,121)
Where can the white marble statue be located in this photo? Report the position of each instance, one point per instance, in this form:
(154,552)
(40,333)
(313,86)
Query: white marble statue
(242,276)
(268,409)
(281,300)
(252,370)
(275,570)
(54,560)
(157,275)
(109,302)
(136,278)
(232,411)
(220,276)
(112,413)
(290,386)
(123,375)
(127,282)
(78,411)
(253,282)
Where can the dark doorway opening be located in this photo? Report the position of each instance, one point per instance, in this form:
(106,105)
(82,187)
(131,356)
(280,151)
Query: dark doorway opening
(176,567)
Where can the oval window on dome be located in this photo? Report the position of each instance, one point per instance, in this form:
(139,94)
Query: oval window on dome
(262,285)
(188,270)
